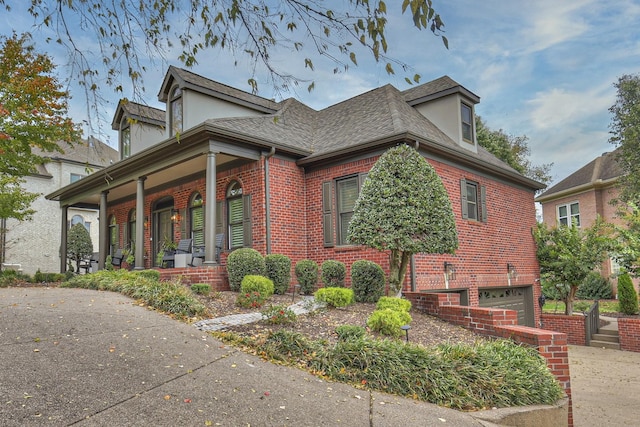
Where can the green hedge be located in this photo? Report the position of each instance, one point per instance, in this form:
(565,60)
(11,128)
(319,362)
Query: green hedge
(627,296)
(367,281)
(333,273)
(335,297)
(278,269)
(243,262)
(307,274)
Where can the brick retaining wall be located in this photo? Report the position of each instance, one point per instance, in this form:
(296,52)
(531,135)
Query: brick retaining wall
(572,326)
(629,330)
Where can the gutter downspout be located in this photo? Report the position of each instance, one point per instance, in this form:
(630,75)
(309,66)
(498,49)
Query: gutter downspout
(267,197)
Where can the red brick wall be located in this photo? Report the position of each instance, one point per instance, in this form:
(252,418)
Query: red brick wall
(572,326)
(629,330)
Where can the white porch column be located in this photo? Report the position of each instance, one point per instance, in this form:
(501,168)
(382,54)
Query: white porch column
(139,253)
(210,212)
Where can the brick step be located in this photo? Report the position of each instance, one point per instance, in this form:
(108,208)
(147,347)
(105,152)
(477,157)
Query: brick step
(606,337)
(605,344)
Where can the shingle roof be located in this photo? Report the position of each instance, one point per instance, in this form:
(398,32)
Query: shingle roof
(602,168)
(436,88)
(91,151)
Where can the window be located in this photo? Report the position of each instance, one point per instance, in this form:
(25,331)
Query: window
(113,235)
(467,122)
(131,229)
(175,111)
(569,213)
(125,141)
(238,217)
(473,201)
(347,190)
(79,219)
(76,177)
(196,214)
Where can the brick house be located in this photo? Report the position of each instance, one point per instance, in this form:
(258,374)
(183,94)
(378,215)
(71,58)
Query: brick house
(35,244)
(227,168)
(583,196)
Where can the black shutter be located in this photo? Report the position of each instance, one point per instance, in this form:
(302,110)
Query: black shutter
(219,226)
(463,199)
(246,221)
(483,203)
(327,214)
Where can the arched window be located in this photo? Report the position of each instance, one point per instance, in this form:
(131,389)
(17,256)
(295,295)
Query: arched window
(175,111)
(113,235)
(238,217)
(196,219)
(125,139)
(79,219)
(131,229)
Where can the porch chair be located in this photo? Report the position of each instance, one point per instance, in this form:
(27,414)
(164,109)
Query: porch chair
(184,247)
(198,251)
(116,258)
(90,264)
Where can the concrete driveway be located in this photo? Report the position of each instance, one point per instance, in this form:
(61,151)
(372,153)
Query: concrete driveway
(81,357)
(605,386)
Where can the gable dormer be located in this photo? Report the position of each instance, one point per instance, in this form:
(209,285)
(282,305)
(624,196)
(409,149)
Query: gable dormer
(450,107)
(192,99)
(139,127)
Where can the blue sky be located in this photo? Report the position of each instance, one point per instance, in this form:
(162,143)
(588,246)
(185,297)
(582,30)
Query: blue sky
(543,68)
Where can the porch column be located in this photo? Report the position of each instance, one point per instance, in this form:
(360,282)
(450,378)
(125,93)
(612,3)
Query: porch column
(63,240)
(103,236)
(210,212)
(139,254)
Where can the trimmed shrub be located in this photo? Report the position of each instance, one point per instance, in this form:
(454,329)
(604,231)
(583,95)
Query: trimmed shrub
(41,277)
(149,274)
(350,332)
(594,287)
(394,303)
(243,262)
(307,274)
(388,321)
(627,296)
(367,281)
(333,273)
(201,288)
(335,297)
(278,269)
(279,315)
(260,284)
(250,299)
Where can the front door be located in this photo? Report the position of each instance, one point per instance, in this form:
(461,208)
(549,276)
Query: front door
(162,232)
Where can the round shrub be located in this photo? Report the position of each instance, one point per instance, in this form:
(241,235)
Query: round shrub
(201,288)
(333,273)
(307,274)
(594,287)
(335,297)
(394,303)
(388,321)
(242,262)
(627,296)
(262,285)
(278,269)
(367,281)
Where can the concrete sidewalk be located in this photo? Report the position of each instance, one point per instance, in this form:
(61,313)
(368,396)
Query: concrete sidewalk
(80,357)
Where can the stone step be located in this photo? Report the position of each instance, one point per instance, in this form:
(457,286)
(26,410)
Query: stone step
(605,344)
(605,337)
(608,331)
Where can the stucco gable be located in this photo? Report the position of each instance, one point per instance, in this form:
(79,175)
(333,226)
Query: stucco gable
(139,112)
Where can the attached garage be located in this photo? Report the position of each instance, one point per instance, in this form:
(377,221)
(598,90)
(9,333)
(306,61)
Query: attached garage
(519,299)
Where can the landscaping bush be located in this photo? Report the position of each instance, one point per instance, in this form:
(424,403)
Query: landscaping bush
(307,274)
(41,277)
(250,299)
(333,273)
(627,296)
(12,277)
(278,269)
(394,303)
(388,321)
(243,262)
(594,287)
(279,315)
(367,281)
(201,288)
(261,284)
(149,274)
(335,297)
(350,332)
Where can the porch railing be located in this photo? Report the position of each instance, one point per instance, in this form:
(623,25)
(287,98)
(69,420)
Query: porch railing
(591,322)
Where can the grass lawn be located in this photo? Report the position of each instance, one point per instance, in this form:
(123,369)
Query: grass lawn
(556,306)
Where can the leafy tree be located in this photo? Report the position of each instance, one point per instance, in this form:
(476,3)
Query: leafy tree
(33,113)
(79,244)
(128,32)
(627,252)
(627,296)
(568,254)
(513,150)
(625,130)
(403,208)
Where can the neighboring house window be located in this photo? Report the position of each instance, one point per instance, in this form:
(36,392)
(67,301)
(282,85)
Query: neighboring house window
(196,213)
(131,229)
(615,267)
(76,177)
(347,190)
(125,136)
(175,110)
(467,122)
(238,217)
(79,219)
(473,200)
(569,213)
(113,235)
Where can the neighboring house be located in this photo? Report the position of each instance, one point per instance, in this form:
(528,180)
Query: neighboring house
(35,244)
(231,169)
(583,196)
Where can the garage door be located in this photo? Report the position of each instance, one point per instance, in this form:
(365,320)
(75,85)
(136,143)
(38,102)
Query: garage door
(518,299)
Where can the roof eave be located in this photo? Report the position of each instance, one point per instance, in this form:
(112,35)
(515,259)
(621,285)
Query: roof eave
(594,185)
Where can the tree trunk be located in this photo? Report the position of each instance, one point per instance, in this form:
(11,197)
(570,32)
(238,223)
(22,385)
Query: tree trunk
(398,262)
(571,295)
